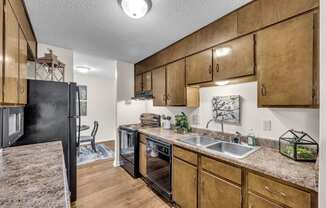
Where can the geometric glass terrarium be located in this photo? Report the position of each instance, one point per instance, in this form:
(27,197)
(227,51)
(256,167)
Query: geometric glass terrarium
(298,146)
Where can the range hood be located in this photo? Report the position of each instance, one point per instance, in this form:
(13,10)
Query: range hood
(143,95)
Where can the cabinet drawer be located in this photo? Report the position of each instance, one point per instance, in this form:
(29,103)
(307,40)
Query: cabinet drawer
(185,155)
(221,169)
(284,194)
(143,138)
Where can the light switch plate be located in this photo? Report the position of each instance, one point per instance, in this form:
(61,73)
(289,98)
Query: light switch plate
(267,125)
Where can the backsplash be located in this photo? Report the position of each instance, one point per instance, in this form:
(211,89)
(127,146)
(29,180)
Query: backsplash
(266,122)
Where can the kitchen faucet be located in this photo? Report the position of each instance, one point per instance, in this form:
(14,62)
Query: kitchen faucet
(222,123)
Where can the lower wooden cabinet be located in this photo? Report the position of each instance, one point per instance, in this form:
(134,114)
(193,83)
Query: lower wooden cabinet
(142,159)
(255,201)
(216,192)
(184,184)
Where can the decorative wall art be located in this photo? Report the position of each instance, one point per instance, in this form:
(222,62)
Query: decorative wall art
(227,108)
(83,99)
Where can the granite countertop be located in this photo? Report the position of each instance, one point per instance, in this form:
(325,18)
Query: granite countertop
(265,160)
(33,176)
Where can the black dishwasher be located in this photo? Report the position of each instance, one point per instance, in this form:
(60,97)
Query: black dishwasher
(159,166)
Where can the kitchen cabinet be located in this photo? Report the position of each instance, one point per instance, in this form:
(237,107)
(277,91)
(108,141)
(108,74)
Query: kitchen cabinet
(278,192)
(147,81)
(184,184)
(176,83)
(138,84)
(285,63)
(255,201)
(199,67)
(11,69)
(22,85)
(234,59)
(159,87)
(216,192)
(142,159)
(249,18)
(276,11)
(1,52)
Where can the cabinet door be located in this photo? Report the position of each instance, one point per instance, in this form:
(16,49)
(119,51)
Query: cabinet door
(147,81)
(234,59)
(22,89)
(199,67)
(249,18)
(176,85)
(275,11)
(11,57)
(138,83)
(1,51)
(255,201)
(158,76)
(285,63)
(184,184)
(142,159)
(217,193)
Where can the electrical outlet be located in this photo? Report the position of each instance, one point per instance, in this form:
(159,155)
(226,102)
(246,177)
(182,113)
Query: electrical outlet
(267,125)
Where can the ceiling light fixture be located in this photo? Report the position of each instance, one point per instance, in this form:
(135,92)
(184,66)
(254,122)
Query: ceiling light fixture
(83,69)
(135,8)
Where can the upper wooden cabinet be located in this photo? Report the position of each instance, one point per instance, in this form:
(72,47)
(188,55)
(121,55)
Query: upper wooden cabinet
(199,67)
(1,51)
(22,84)
(278,10)
(184,184)
(249,18)
(11,69)
(176,83)
(23,20)
(147,81)
(234,59)
(138,83)
(285,63)
(159,87)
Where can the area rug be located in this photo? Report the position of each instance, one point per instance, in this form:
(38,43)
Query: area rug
(87,155)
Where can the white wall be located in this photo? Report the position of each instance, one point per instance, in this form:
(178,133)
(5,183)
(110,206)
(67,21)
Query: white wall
(101,94)
(64,55)
(251,117)
(322,162)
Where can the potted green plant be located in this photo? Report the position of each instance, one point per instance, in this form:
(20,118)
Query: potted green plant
(182,125)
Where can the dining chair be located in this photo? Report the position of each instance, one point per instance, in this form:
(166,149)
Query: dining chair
(91,138)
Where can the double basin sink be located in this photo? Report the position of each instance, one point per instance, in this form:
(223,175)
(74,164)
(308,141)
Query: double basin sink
(227,148)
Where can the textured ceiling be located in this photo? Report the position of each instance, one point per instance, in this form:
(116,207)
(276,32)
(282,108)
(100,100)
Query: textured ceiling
(100,28)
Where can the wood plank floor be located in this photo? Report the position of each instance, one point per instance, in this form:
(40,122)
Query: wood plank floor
(101,185)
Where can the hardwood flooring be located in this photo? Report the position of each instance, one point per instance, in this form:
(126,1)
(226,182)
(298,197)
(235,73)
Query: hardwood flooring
(101,185)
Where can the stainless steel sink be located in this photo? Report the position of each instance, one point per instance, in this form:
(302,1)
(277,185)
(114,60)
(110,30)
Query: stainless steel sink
(199,140)
(234,150)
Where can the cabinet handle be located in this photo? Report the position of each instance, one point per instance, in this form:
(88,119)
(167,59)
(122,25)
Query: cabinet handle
(210,69)
(269,190)
(217,67)
(283,194)
(263,90)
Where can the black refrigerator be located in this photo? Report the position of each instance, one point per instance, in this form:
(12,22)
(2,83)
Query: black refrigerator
(51,114)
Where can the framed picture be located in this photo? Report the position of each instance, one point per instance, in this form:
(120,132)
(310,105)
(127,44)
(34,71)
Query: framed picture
(227,108)
(83,92)
(83,108)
